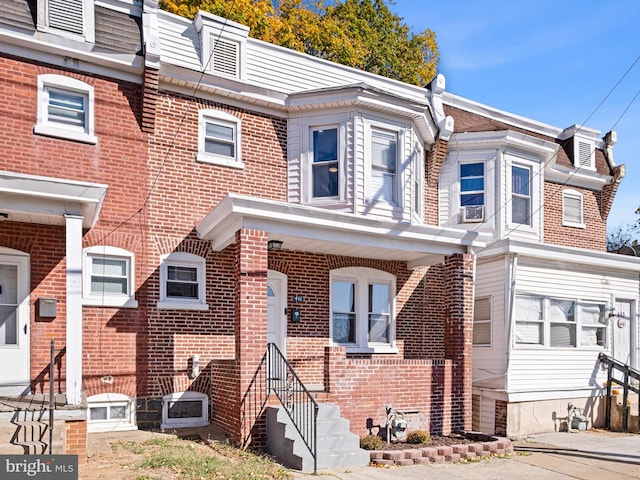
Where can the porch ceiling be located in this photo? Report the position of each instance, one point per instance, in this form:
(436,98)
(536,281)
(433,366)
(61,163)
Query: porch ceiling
(46,200)
(317,230)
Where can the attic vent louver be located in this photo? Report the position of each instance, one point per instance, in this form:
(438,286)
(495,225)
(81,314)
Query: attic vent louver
(584,154)
(67,15)
(225,57)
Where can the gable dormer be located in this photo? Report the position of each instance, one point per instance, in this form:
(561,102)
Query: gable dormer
(580,144)
(74,18)
(223,45)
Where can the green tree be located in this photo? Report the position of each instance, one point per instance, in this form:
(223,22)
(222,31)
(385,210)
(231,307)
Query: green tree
(364,34)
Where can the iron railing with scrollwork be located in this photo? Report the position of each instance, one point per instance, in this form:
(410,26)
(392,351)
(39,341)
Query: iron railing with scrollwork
(628,374)
(298,402)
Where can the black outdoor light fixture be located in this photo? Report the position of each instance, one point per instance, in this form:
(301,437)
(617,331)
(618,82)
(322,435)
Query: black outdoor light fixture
(274,245)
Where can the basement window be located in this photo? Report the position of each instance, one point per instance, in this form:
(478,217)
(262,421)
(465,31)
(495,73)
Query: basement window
(110,412)
(185,409)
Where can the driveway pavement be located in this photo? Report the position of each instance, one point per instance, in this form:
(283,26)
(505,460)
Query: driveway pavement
(586,455)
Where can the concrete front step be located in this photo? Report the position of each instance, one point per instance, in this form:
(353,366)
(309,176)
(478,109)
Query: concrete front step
(19,437)
(337,446)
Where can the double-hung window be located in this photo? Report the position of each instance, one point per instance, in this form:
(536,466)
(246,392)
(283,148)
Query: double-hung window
(108,277)
(559,322)
(384,152)
(182,282)
(325,164)
(521,195)
(362,311)
(65,108)
(472,191)
(219,138)
(482,322)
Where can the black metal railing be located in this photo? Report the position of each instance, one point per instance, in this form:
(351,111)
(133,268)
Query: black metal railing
(298,402)
(253,404)
(628,374)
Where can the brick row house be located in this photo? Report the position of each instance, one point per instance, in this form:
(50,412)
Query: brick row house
(175,195)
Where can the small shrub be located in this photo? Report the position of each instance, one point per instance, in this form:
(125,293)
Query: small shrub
(370,442)
(418,436)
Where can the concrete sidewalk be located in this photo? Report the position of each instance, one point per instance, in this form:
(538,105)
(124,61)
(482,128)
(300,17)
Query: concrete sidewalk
(587,455)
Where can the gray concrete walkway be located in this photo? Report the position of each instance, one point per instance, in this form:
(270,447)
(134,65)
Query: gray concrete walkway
(590,455)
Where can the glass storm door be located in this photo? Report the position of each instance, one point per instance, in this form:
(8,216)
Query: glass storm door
(623,327)
(14,324)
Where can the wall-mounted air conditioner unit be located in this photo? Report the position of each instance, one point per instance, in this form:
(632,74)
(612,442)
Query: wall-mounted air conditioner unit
(472,214)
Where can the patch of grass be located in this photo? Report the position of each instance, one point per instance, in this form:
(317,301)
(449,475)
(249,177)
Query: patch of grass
(188,460)
(520,453)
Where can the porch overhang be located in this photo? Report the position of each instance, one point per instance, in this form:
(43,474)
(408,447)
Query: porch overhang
(47,200)
(317,230)
(562,254)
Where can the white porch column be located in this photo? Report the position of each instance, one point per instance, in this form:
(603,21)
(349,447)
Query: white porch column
(74,308)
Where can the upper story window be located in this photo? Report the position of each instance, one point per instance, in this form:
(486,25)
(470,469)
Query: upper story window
(108,277)
(521,195)
(325,163)
(384,154)
(65,108)
(69,17)
(482,322)
(572,209)
(472,191)
(362,309)
(183,282)
(219,138)
(557,322)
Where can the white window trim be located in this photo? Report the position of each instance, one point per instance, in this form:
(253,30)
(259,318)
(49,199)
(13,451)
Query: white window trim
(535,185)
(111,400)
(182,259)
(222,118)
(108,299)
(576,195)
(189,396)
(471,161)
(371,126)
(88,21)
(546,325)
(45,127)
(362,276)
(588,143)
(307,126)
(485,321)
(417,183)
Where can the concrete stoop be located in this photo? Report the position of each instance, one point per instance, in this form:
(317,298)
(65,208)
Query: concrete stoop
(337,446)
(617,412)
(27,433)
(451,453)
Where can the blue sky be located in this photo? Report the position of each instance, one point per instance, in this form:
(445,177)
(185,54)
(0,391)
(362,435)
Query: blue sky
(552,61)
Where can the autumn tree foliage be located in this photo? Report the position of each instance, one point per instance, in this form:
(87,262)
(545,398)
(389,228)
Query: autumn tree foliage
(364,34)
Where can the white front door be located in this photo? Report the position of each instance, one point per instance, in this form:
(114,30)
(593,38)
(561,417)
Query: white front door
(623,326)
(14,324)
(276,304)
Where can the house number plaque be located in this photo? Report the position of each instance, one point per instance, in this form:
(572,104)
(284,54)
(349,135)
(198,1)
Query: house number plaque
(298,298)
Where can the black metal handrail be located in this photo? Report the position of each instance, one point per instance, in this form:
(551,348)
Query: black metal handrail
(628,374)
(297,401)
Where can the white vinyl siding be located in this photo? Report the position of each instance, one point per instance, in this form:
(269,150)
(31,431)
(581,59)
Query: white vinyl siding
(489,363)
